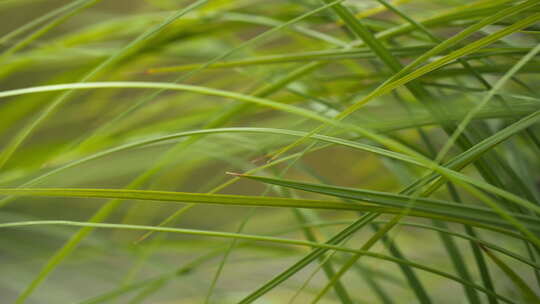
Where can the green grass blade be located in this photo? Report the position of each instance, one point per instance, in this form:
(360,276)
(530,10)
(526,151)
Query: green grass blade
(12,147)
(26,131)
(36,22)
(529,296)
(455,176)
(406,74)
(330,245)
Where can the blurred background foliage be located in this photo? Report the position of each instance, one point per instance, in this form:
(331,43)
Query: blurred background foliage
(318,62)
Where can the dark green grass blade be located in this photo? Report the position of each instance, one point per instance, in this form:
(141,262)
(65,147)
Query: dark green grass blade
(330,245)
(529,296)
(51,108)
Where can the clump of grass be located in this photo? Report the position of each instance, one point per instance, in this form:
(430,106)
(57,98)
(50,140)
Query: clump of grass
(285,151)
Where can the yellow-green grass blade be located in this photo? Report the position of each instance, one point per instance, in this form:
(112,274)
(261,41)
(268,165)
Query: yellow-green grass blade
(407,74)
(326,246)
(454,176)
(21,136)
(388,202)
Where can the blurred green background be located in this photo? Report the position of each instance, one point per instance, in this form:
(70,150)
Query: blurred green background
(175,268)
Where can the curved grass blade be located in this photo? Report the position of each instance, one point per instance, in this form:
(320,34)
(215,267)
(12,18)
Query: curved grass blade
(406,74)
(79,7)
(528,294)
(36,22)
(453,175)
(12,147)
(51,108)
(480,217)
(326,246)
(326,55)
(468,118)
(262,92)
(387,199)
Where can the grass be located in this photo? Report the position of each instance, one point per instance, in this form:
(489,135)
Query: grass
(220,151)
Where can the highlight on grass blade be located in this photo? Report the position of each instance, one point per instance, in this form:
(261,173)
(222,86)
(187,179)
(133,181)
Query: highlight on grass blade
(269,151)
